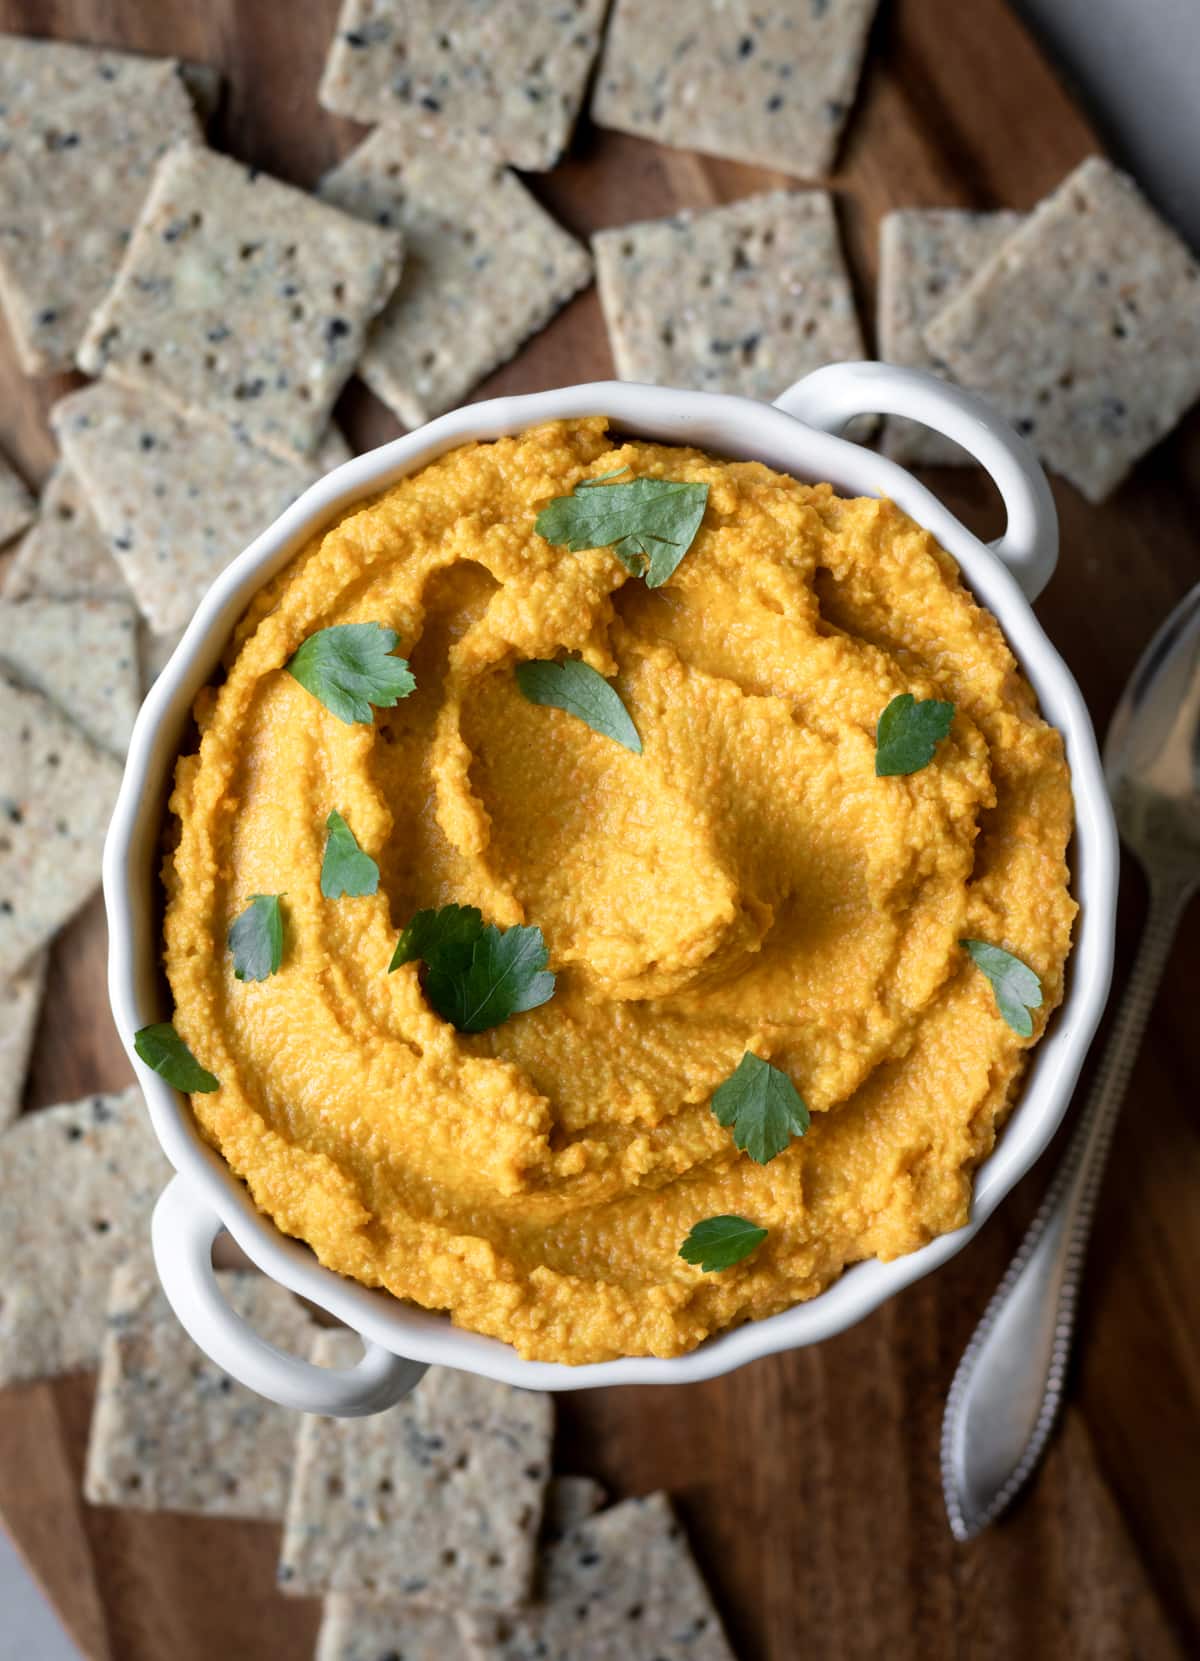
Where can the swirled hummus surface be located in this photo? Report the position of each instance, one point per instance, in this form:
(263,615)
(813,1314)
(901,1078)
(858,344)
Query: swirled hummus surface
(747,883)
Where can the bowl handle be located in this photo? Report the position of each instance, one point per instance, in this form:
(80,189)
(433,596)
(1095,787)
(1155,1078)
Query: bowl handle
(182,1232)
(830,397)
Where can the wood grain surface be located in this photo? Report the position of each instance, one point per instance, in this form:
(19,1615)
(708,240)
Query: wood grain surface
(809,1481)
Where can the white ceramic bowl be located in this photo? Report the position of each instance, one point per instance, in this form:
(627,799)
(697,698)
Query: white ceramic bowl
(797,436)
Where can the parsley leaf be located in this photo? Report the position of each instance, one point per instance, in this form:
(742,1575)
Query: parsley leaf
(345,869)
(582,691)
(720,1242)
(161,1048)
(648,523)
(908,733)
(763,1106)
(440,939)
(256,938)
(1017,987)
(476,974)
(349,667)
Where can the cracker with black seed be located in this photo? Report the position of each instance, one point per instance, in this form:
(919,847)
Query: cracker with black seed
(154,653)
(622,1583)
(20,1006)
(504,78)
(438,1501)
(16,504)
(358,1629)
(769,82)
(170,1431)
(1083,328)
(81,131)
(926,255)
(363,1629)
(242,299)
(57,792)
(484,268)
(744,298)
(77,1185)
(83,654)
(176,498)
(64,555)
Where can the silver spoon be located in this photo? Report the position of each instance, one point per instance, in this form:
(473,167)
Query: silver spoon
(1009,1384)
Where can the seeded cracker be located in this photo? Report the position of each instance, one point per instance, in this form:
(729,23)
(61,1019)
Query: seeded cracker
(170,1432)
(65,555)
(437,1501)
(154,652)
(505,77)
(77,1185)
(243,300)
(57,792)
(484,268)
(80,133)
(629,1569)
(20,1005)
(176,499)
(744,298)
(359,1629)
(1084,328)
(926,255)
(16,504)
(83,654)
(768,83)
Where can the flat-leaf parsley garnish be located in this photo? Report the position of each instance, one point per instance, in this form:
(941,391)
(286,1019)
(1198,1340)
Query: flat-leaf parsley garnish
(345,869)
(580,690)
(648,523)
(1017,987)
(908,733)
(256,938)
(350,668)
(720,1242)
(439,939)
(476,975)
(161,1048)
(763,1106)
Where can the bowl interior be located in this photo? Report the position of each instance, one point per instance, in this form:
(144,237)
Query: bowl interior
(741,429)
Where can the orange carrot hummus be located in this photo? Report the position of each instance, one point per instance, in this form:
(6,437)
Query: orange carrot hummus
(745,884)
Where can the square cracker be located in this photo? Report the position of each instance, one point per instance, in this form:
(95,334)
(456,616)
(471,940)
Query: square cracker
(437,1501)
(83,655)
(766,81)
(360,1629)
(170,1432)
(744,298)
(176,498)
(80,133)
(622,1583)
(77,1185)
(1083,328)
(484,268)
(355,1629)
(242,299)
(500,77)
(65,555)
(57,791)
(20,1006)
(926,255)
(16,504)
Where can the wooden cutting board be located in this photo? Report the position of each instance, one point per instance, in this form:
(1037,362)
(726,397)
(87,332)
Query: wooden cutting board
(809,1482)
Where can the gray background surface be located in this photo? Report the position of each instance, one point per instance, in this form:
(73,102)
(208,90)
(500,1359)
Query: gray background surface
(1136,66)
